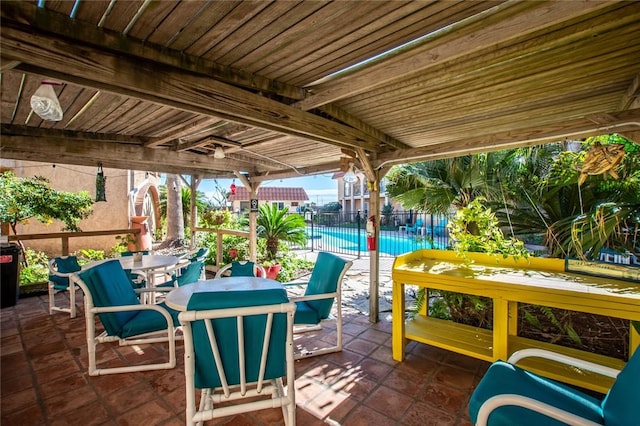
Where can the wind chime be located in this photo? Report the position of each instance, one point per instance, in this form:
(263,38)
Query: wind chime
(101,180)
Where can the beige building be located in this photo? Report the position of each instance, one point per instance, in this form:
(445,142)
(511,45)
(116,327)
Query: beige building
(355,196)
(128,193)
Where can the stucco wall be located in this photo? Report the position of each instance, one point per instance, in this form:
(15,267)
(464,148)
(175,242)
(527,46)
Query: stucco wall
(112,214)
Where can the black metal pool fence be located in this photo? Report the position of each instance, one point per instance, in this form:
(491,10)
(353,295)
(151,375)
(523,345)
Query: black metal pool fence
(345,232)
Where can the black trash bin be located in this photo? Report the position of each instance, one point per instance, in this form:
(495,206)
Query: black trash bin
(9,283)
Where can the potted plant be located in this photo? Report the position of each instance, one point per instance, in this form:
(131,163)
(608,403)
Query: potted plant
(277,225)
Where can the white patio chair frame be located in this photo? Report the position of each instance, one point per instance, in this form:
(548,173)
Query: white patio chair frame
(302,328)
(72,289)
(161,336)
(225,393)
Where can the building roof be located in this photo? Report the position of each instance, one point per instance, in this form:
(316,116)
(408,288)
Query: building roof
(272,194)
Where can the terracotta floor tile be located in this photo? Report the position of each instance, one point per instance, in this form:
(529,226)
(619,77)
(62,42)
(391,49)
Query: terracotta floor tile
(420,414)
(150,413)
(374,370)
(444,397)
(361,346)
(74,400)
(64,384)
(130,397)
(455,377)
(17,401)
(375,336)
(32,415)
(92,414)
(389,402)
(45,381)
(364,416)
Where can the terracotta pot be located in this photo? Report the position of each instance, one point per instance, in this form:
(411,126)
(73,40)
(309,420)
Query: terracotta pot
(273,271)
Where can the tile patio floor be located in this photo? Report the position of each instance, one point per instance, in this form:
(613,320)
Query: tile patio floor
(44,379)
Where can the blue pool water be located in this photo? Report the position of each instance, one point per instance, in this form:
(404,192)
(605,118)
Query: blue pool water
(347,239)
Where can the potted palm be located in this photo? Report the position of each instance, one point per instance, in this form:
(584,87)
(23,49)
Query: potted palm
(277,225)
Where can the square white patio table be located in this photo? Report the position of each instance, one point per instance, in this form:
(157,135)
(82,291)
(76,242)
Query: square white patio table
(178,299)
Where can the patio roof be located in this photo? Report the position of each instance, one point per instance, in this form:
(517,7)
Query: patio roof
(289,88)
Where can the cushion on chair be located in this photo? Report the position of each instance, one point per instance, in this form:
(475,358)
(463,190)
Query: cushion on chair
(65,265)
(324,279)
(621,404)
(245,269)
(59,283)
(226,332)
(190,274)
(504,378)
(305,314)
(109,286)
(147,321)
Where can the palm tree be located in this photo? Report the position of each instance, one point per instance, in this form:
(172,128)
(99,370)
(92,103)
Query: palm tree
(277,225)
(435,186)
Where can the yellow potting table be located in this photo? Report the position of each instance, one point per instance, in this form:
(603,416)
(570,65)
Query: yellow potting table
(507,282)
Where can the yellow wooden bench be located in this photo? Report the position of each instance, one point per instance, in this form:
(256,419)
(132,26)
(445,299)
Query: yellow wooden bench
(507,282)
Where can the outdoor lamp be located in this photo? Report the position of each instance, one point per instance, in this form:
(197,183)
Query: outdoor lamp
(350,175)
(44,102)
(219,152)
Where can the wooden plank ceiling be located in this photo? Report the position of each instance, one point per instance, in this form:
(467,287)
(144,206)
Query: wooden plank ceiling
(288,88)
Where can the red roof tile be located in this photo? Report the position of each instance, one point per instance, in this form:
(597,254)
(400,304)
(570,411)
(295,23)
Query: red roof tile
(271,194)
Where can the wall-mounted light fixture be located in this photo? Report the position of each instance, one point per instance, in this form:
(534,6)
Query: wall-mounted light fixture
(44,102)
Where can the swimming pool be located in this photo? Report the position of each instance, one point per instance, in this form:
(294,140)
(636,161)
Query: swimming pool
(347,240)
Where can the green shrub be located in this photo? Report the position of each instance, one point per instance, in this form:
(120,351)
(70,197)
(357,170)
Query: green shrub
(38,269)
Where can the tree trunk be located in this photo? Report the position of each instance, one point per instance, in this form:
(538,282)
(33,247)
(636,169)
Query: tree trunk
(175,219)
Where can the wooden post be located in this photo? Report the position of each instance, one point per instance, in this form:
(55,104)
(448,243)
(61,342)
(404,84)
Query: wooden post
(374,256)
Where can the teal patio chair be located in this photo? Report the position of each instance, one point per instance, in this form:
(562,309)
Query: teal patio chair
(238,350)
(314,307)
(60,269)
(415,227)
(241,268)
(108,295)
(510,395)
(183,275)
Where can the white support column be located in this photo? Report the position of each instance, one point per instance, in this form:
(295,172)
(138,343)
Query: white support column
(253,216)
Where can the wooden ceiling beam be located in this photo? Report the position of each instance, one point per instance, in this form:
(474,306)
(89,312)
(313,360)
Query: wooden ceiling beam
(624,122)
(113,155)
(49,21)
(483,30)
(136,77)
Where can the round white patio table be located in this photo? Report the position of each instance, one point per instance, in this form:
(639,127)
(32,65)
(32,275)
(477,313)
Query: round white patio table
(149,264)
(178,299)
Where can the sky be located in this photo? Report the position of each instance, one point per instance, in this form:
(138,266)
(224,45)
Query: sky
(321,189)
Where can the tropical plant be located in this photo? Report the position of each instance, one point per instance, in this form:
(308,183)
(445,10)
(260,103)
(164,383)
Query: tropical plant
(31,197)
(276,225)
(36,269)
(435,186)
(544,196)
(475,228)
